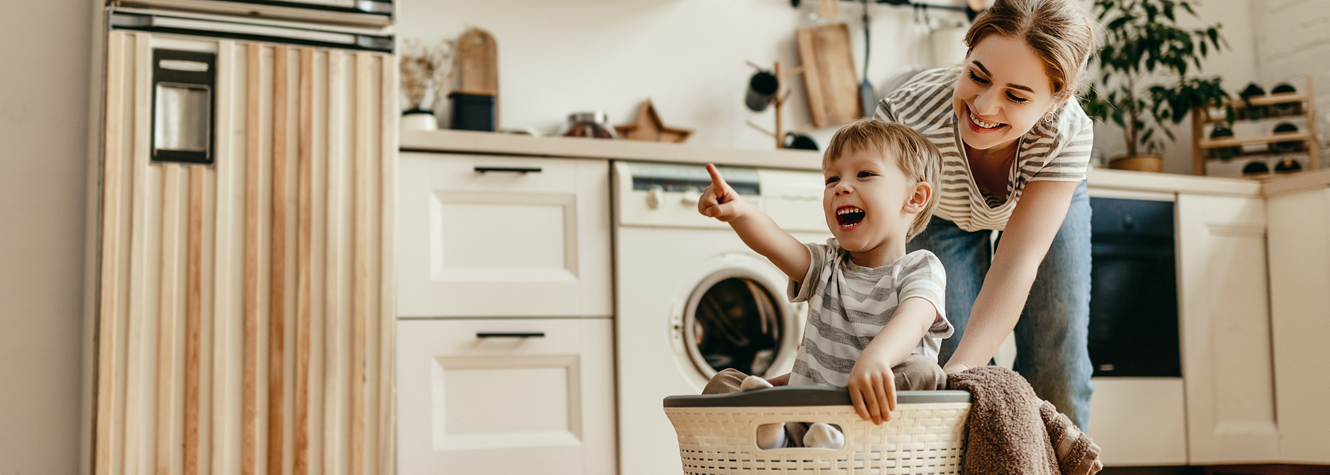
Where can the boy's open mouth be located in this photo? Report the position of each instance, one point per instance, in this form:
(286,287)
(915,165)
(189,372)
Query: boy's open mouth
(849,216)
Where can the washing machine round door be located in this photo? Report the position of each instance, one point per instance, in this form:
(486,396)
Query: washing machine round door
(737,317)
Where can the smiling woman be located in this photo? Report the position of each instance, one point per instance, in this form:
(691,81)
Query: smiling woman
(1014,154)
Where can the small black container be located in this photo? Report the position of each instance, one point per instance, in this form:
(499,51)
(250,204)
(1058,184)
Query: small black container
(1293,146)
(1252,112)
(1288,165)
(473,111)
(1287,108)
(1222,131)
(800,142)
(1256,167)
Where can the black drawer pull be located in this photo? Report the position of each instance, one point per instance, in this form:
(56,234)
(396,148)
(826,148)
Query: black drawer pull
(510,335)
(508,169)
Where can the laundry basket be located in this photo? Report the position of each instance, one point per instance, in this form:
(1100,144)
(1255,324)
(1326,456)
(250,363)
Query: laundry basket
(717,433)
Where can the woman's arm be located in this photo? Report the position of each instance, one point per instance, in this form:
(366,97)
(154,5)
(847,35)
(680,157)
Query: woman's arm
(1030,230)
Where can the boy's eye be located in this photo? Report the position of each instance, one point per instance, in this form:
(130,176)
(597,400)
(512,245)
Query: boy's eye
(976,78)
(832,179)
(866,174)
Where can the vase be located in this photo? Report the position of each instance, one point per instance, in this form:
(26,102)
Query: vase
(419,119)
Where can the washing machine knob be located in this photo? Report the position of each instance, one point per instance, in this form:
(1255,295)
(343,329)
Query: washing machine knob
(692,195)
(655,196)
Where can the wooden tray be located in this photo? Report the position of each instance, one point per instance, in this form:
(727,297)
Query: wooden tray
(833,87)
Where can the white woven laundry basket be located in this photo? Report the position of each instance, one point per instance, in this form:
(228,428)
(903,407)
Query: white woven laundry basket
(926,434)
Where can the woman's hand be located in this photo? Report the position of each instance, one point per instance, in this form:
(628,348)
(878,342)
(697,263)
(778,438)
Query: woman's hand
(873,389)
(953,368)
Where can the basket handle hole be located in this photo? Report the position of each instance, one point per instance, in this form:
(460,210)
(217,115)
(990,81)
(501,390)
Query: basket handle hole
(803,435)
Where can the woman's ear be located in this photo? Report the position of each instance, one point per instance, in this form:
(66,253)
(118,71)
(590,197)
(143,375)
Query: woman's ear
(1058,103)
(919,198)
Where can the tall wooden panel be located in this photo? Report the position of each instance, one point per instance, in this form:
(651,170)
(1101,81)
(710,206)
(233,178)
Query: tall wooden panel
(245,310)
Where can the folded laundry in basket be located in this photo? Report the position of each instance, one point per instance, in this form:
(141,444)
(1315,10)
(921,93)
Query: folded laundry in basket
(1012,431)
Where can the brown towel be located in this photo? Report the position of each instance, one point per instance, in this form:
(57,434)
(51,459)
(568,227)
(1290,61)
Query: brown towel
(1012,431)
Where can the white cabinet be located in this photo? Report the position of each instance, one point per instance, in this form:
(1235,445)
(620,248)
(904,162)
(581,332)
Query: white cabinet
(1224,308)
(1300,322)
(505,396)
(483,236)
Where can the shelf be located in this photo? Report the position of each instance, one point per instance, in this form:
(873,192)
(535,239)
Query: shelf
(1270,118)
(1269,100)
(1264,154)
(1284,137)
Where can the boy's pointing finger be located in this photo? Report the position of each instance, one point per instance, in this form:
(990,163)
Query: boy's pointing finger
(716,181)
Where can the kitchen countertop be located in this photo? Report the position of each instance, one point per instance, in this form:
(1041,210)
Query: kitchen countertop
(454,141)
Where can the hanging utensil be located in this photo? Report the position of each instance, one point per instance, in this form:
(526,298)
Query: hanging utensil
(867,96)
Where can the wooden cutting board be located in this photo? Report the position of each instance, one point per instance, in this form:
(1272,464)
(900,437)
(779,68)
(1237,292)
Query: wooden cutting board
(832,86)
(478,62)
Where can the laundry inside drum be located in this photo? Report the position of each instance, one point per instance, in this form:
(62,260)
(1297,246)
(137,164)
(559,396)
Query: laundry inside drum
(737,325)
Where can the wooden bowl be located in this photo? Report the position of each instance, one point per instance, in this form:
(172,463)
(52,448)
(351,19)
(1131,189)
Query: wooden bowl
(1140,163)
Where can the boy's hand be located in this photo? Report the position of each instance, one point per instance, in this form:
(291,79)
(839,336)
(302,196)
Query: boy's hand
(873,389)
(719,200)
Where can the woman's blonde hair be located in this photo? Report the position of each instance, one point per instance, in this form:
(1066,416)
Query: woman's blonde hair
(916,156)
(1057,30)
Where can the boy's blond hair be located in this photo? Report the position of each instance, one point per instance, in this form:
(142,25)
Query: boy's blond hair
(917,157)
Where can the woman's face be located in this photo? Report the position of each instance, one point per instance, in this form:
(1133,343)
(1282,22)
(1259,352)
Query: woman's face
(1002,92)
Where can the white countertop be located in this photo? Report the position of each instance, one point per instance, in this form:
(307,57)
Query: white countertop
(454,141)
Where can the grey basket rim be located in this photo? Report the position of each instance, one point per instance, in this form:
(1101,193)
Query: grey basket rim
(807,396)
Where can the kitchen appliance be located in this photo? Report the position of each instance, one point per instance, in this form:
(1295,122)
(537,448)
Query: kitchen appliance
(372,13)
(244,290)
(692,299)
(1133,289)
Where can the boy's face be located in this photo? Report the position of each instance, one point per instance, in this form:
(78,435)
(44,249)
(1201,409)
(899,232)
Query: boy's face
(864,200)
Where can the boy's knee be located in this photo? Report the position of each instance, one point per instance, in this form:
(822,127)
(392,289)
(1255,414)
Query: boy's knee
(726,381)
(919,373)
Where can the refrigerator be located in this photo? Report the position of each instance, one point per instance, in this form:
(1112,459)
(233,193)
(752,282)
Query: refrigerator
(244,293)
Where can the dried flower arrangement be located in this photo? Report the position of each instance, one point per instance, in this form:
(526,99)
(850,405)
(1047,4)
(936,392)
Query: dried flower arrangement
(425,70)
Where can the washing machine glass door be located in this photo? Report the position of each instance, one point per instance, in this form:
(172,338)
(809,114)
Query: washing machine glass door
(733,322)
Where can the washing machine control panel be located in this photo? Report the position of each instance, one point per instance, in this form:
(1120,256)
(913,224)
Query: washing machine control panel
(666,195)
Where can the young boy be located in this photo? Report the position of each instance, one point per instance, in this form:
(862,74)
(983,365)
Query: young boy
(876,314)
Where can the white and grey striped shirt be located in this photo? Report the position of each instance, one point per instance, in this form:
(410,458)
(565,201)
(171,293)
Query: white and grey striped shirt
(849,304)
(1056,151)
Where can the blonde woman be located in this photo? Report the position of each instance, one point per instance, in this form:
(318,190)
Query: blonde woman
(1015,146)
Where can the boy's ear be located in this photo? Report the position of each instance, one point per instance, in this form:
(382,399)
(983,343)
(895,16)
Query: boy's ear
(918,198)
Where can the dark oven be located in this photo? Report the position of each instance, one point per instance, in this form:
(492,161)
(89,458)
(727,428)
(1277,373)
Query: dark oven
(1133,290)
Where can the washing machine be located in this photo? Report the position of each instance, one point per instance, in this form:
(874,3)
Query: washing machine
(692,299)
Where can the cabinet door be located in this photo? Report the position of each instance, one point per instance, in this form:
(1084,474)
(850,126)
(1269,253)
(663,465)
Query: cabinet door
(505,404)
(1225,325)
(483,236)
(1300,320)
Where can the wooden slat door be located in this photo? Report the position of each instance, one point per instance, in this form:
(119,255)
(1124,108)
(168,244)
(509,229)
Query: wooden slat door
(246,307)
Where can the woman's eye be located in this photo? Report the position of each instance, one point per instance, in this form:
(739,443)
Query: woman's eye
(977,79)
(1015,98)
(866,174)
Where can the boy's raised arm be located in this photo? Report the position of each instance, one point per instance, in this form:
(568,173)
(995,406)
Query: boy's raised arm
(754,227)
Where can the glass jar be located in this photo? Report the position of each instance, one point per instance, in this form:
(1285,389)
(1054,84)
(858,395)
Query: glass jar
(592,124)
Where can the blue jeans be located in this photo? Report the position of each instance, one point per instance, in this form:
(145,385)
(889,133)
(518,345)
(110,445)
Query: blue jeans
(1051,336)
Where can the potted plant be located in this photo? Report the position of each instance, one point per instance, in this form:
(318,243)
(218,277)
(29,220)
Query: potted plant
(1144,41)
(423,70)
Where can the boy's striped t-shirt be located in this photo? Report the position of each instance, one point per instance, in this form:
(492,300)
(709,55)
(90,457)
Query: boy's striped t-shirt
(849,304)
(1056,150)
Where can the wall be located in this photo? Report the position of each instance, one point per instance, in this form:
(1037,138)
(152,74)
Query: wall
(688,56)
(1292,42)
(44,84)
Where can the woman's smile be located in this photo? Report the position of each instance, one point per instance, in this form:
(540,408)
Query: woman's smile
(982,126)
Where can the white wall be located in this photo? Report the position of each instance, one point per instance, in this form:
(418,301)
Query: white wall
(688,56)
(44,76)
(1293,42)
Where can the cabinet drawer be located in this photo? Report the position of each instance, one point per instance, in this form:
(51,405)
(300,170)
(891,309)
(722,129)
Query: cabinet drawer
(483,236)
(505,404)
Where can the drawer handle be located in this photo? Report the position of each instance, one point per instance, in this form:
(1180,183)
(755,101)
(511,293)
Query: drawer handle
(508,169)
(510,335)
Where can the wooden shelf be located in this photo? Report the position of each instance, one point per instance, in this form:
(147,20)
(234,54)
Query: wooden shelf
(1201,117)
(1264,154)
(1260,139)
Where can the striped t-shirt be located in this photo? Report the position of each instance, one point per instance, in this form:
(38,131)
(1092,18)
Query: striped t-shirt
(849,304)
(1056,151)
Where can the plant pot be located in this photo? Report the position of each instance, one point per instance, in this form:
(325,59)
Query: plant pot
(1140,163)
(419,119)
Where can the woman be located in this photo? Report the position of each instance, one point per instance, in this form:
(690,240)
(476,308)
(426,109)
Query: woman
(1015,147)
